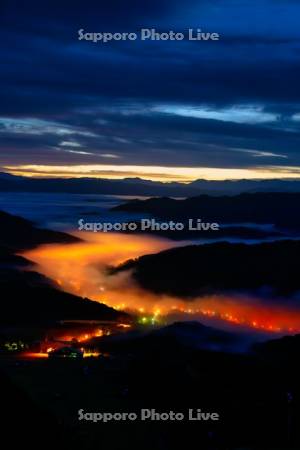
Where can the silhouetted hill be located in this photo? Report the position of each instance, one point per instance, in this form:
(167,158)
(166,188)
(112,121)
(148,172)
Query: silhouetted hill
(8,259)
(262,208)
(179,335)
(197,335)
(223,232)
(213,268)
(283,355)
(28,297)
(285,348)
(18,233)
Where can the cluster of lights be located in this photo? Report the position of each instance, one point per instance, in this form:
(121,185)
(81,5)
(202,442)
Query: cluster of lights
(150,320)
(226,316)
(14,346)
(120,307)
(86,336)
(146,318)
(233,319)
(42,355)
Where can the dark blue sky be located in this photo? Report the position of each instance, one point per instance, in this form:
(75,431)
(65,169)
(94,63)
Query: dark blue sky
(233,103)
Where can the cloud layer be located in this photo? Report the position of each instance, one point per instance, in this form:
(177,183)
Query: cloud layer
(233,103)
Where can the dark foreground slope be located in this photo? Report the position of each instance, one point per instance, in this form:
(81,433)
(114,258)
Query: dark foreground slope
(29,298)
(212,268)
(26,297)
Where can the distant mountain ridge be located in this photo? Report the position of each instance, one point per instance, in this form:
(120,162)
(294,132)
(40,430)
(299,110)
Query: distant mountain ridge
(277,208)
(139,186)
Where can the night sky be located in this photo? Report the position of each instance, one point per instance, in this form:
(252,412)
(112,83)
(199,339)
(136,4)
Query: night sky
(150,108)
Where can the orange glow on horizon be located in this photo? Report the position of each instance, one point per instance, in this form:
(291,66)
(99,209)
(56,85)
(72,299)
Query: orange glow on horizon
(154,173)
